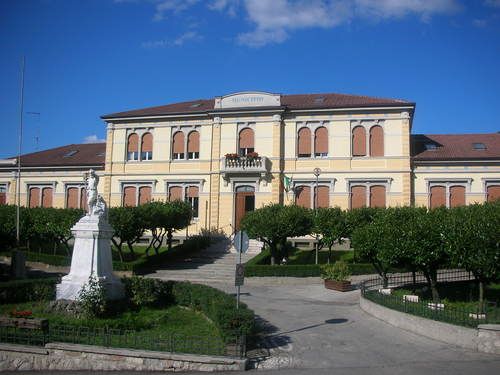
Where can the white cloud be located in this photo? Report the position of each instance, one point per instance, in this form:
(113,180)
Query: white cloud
(178,41)
(478,22)
(492,3)
(228,6)
(93,139)
(274,19)
(174,6)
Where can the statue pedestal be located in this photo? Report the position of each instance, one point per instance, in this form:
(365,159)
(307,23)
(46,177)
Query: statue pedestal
(91,256)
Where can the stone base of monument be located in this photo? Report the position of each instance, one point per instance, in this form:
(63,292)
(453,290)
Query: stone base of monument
(91,256)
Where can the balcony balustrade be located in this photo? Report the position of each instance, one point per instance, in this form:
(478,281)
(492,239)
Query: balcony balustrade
(259,165)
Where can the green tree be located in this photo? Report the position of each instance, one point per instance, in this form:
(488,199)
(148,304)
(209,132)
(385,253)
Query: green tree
(473,242)
(274,223)
(128,225)
(162,219)
(330,225)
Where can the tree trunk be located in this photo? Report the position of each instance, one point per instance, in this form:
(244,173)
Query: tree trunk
(481,297)
(272,250)
(431,276)
(131,248)
(329,253)
(169,239)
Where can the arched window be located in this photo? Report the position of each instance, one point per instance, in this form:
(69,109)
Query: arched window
(178,146)
(133,147)
(130,196)
(192,197)
(321,142)
(493,193)
(377,196)
(47,197)
(34,197)
(147,147)
(193,145)
(304,143)
(175,193)
(358,141)
(358,196)
(376,141)
(438,196)
(457,196)
(246,142)
(322,196)
(303,196)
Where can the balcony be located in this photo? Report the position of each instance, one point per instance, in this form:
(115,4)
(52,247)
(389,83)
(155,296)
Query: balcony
(245,165)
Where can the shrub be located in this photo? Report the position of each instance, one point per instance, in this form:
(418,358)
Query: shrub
(92,298)
(28,290)
(338,271)
(143,292)
(300,270)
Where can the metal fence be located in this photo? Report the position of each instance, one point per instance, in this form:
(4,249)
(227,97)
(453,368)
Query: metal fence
(231,346)
(464,314)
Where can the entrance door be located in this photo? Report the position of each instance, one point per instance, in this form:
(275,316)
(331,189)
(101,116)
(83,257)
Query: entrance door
(244,202)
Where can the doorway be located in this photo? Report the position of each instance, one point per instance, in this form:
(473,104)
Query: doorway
(243,203)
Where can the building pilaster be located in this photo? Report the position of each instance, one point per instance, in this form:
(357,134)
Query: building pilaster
(215,175)
(277,165)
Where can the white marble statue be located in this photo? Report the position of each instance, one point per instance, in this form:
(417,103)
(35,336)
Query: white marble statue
(91,250)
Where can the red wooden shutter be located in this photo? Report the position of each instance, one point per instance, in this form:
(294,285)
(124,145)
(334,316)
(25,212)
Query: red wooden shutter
(376,141)
(83,199)
(493,193)
(34,197)
(303,197)
(438,196)
(194,142)
(72,197)
(304,141)
(358,141)
(192,191)
(323,197)
(144,194)
(321,141)
(358,196)
(147,143)
(47,197)
(178,143)
(175,193)
(377,196)
(246,138)
(133,142)
(3,196)
(129,196)
(457,196)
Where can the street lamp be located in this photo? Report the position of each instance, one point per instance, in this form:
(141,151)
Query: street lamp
(316,172)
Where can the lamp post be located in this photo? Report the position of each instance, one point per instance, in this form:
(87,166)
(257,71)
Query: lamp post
(316,173)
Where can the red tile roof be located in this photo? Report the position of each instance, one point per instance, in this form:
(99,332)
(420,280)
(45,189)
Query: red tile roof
(292,102)
(88,154)
(455,146)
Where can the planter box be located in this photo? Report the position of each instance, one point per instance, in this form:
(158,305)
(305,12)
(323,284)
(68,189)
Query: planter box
(477,316)
(385,291)
(410,298)
(341,286)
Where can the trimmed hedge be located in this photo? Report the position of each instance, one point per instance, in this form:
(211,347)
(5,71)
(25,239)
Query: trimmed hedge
(303,270)
(28,290)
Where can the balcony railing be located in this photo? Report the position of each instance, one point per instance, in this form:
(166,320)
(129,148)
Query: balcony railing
(244,164)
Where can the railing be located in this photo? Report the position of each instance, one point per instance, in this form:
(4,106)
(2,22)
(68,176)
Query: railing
(243,163)
(468,314)
(234,346)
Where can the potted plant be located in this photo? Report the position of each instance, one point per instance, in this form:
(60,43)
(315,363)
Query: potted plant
(232,156)
(336,276)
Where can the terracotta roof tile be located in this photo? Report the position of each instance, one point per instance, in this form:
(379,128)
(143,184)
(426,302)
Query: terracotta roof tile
(455,146)
(300,101)
(88,154)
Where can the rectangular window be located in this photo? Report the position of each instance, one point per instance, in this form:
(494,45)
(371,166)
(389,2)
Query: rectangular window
(148,155)
(246,150)
(178,155)
(3,194)
(134,155)
(193,155)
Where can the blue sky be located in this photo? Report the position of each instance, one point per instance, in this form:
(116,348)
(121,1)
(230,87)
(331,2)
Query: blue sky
(92,57)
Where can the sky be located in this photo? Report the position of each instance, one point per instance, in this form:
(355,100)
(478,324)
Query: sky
(88,58)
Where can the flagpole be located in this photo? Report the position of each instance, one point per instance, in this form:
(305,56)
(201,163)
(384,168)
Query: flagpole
(18,183)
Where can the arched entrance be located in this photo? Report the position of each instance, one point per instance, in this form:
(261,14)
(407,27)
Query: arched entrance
(244,202)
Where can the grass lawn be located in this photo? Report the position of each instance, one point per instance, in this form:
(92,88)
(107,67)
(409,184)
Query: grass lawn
(172,328)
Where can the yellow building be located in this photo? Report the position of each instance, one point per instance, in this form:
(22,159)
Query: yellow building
(234,153)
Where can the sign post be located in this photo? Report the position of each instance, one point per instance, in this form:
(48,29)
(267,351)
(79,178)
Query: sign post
(241,241)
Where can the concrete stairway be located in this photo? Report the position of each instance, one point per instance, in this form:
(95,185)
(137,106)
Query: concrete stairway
(216,264)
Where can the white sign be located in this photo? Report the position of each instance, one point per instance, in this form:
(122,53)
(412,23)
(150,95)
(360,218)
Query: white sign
(241,241)
(248,99)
